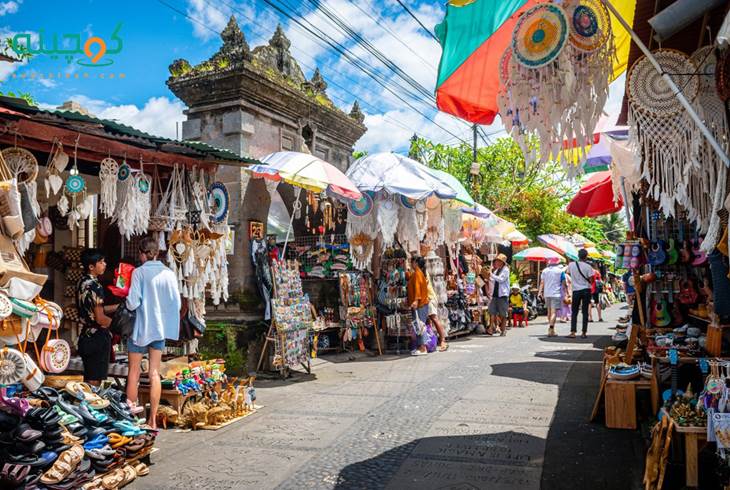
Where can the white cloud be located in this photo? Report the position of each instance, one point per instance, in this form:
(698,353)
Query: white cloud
(9,7)
(158,115)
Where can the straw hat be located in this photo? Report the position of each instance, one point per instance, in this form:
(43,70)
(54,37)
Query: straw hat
(502,258)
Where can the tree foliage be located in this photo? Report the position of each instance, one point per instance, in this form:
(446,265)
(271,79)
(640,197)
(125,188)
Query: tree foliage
(532,197)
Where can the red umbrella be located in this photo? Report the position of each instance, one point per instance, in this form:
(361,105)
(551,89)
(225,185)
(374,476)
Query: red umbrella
(596,197)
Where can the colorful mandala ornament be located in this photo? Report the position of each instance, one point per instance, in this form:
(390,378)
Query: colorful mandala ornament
(124,172)
(361,207)
(75,184)
(540,35)
(590,25)
(218,201)
(407,202)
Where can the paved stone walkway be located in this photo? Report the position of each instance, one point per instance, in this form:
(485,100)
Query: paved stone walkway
(492,412)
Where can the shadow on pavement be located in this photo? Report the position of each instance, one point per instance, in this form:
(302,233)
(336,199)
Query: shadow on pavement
(580,454)
(497,461)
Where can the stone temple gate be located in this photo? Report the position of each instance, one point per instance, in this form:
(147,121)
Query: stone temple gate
(255,102)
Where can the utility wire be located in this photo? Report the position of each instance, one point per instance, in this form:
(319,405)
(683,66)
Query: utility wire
(410,12)
(386,118)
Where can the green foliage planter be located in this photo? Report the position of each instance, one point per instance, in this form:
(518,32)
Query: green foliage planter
(219,341)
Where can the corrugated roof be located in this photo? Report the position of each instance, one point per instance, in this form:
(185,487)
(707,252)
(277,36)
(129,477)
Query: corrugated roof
(114,128)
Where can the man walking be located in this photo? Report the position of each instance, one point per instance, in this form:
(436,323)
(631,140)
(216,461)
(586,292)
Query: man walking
(499,305)
(155,297)
(581,275)
(551,286)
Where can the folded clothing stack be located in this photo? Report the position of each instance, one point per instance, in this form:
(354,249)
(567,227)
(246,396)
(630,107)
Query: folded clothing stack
(78,437)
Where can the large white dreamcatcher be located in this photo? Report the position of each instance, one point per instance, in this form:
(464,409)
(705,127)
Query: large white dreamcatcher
(555,77)
(108,172)
(435,230)
(661,128)
(408,233)
(134,201)
(387,215)
(361,231)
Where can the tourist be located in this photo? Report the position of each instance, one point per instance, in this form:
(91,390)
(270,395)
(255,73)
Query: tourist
(417,289)
(517,305)
(155,297)
(596,292)
(499,305)
(433,310)
(581,274)
(551,289)
(95,340)
(565,306)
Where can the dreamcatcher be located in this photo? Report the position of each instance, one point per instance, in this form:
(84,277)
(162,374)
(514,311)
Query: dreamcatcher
(361,230)
(134,201)
(108,175)
(660,127)
(198,198)
(435,230)
(23,166)
(74,204)
(408,232)
(555,78)
(387,220)
(218,202)
(57,162)
(707,175)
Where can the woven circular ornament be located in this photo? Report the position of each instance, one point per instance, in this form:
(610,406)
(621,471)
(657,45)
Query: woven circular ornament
(407,202)
(108,167)
(649,93)
(218,201)
(6,307)
(361,207)
(706,62)
(124,172)
(505,66)
(540,35)
(590,24)
(22,163)
(722,75)
(143,183)
(75,184)
(12,366)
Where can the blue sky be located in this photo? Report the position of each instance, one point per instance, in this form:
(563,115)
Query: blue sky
(153,35)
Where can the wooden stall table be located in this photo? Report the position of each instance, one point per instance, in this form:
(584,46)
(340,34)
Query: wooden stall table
(693,436)
(621,401)
(173,397)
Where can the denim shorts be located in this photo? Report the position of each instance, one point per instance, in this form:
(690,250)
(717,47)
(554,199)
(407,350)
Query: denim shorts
(136,349)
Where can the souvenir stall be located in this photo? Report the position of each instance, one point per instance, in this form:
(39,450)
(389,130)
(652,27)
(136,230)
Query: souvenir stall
(65,187)
(672,175)
(404,210)
(318,254)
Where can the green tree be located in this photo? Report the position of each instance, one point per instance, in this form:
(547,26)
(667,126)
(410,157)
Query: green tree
(531,196)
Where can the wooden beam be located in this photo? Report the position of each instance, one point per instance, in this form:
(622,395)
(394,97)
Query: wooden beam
(40,137)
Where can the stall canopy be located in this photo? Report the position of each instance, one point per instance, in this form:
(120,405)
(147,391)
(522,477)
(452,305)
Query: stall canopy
(462,195)
(596,197)
(397,174)
(537,254)
(560,244)
(305,171)
(473,37)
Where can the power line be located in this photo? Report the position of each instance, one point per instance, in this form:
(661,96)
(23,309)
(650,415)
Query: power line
(410,12)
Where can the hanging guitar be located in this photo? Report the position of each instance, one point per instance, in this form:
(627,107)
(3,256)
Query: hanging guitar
(699,257)
(661,315)
(672,252)
(657,249)
(677,316)
(685,250)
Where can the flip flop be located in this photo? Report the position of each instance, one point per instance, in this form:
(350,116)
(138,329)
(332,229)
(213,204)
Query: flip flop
(66,464)
(443,348)
(113,479)
(142,469)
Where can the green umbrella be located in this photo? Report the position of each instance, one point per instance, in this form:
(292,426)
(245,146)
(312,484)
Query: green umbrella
(461,193)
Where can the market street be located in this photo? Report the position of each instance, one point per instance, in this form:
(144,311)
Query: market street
(492,412)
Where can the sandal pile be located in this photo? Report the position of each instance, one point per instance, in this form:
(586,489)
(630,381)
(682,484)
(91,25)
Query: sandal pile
(78,437)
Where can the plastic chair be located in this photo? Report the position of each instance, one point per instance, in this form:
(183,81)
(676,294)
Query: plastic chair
(517,318)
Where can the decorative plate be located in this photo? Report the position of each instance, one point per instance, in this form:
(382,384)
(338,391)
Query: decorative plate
(218,201)
(22,163)
(124,172)
(590,24)
(6,307)
(649,93)
(12,366)
(540,35)
(361,207)
(75,184)
(407,202)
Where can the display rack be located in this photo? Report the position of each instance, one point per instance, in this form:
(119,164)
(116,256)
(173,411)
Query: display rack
(357,308)
(393,296)
(435,269)
(321,257)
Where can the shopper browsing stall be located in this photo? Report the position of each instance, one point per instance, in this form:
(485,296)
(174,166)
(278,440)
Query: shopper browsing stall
(95,341)
(499,305)
(417,289)
(155,297)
